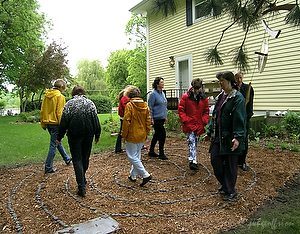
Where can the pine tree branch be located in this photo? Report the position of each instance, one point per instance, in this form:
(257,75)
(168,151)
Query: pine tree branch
(223,31)
(284,7)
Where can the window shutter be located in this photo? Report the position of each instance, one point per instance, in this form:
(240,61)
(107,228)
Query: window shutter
(189,12)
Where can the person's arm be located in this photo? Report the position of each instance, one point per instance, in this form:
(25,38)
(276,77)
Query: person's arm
(151,102)
(250,104)
(126,121)
(205,112)
(238,121)
(96,123)
(63,126)
(148,121)
(43,125)
(61,101)
(182,110)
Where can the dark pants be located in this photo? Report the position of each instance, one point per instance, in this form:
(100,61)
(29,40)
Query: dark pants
(118,147)
(242,157)
(225,168)
(80,150)
(159,135)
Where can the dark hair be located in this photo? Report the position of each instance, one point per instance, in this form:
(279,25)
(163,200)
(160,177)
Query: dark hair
(156,82)
(197,83)
(78,90)
(229,76)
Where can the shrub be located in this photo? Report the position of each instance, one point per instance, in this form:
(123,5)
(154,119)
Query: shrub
(272,130)
(31,117)
(111,125)
(291,122)
(2,104)
(173,123)
(33,105)
(102,103)
(284,146)
(271,145)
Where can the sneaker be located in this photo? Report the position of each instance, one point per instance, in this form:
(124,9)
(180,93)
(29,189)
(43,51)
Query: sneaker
(221,191)
(119,151)
(152,154)
(81,192)
(245,167)
(146,180)
(193,166)
(163,157)
(68,162)
(53,170)
(131,179)
(231,197)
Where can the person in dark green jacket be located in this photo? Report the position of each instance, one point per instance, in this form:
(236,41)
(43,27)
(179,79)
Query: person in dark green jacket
(227,133)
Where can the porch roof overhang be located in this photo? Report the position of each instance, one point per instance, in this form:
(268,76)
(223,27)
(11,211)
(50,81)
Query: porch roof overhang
(143,7)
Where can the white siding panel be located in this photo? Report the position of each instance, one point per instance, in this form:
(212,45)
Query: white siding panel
(276,88)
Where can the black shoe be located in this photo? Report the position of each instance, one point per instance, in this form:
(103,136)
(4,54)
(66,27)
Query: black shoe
(68,162)
(146,180)
(231,197)
(81,192)
(163,157)
(194,166)
(50,171)
(153,154)
(132,180)
(221,191)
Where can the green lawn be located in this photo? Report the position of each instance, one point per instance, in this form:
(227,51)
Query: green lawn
(22,143)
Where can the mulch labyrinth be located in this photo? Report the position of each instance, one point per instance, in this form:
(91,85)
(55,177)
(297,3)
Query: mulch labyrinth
(176,200)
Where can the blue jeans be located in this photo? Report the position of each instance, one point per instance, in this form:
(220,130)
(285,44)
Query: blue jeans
(53,131)
(133,151)
(192,143)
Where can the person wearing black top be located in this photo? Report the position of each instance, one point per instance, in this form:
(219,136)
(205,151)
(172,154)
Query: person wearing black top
(80,121)
(248,93)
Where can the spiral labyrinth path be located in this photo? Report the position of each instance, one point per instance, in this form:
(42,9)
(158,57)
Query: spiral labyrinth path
(176,200)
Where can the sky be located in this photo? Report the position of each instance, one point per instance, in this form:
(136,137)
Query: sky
(91,29)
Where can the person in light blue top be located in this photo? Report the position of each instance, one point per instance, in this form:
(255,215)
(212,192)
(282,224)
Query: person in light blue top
(157,103)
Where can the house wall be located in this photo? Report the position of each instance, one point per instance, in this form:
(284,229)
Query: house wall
(276,88)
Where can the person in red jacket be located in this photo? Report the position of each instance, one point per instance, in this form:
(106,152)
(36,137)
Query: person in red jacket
(193,112)
(123,99)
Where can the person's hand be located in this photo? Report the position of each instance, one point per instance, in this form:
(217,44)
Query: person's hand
(57,142)
(206,137)
(235,144)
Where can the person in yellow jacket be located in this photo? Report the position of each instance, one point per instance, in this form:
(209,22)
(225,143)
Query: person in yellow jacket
(51,112)
(135,128)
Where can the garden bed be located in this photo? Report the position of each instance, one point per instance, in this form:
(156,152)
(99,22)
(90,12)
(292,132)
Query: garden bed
(177,200)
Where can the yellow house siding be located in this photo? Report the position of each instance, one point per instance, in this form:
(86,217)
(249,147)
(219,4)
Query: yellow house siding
(276,88)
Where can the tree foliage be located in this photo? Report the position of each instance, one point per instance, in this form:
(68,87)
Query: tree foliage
(129,66)
(91,75)
(246,14)
(137,74)
(41,71)
(117,71)
(136,30)
(21,30)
